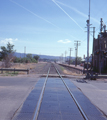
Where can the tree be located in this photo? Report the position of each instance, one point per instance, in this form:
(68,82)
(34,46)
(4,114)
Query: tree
(17,60)
(7,54)
(36,57)
(3,52)
(34,60)
(29,56)
(79,59)
(6,50)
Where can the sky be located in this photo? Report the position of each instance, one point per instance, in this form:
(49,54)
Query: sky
(50,27)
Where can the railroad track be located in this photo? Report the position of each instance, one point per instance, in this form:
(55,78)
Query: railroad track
(52,99)
(51,70)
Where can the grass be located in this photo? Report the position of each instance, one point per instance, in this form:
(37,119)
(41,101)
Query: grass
(7,73)
(62,68)
(18,66)
(24,66)
(71,73)
(68,72)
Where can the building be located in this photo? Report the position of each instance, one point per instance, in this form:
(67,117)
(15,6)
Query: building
(100,51)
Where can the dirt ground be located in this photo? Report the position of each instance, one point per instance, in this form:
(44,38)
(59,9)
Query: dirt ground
(68,72)
(29,66)
(21,65)
(35,68)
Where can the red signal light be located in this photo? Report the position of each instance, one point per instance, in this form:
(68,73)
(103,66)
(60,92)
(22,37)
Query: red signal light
(98,52)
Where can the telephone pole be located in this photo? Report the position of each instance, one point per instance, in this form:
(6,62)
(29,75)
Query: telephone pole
(75,56)
(101,26)
(77,43)
(88,35)
(70,56)
(100,59)
(62,57)
(93,46)
(88,38)
(24,51)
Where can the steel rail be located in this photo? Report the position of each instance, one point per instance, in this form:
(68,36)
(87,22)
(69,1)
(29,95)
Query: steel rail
(40,98)
(79,107)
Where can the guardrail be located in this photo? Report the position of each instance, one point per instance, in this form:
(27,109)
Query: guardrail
(23,70)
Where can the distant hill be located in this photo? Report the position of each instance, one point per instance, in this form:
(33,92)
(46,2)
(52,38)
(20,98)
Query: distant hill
(22,55)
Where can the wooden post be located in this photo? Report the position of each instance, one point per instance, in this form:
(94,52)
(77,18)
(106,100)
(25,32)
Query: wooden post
(2,70)
(27,71)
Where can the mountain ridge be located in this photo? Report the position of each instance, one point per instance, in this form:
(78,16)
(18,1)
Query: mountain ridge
(22,55)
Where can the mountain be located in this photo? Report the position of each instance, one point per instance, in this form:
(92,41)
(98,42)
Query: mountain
(22,55)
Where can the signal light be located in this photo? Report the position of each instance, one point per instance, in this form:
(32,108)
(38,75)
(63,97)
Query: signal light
(104,53)
(97,52)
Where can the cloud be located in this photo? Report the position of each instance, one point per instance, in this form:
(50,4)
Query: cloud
(64,41)
(10,40)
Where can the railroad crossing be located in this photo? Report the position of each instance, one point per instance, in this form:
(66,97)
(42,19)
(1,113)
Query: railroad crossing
(57,99)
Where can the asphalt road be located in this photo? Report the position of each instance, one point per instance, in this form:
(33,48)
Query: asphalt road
(95,90)
(13,92)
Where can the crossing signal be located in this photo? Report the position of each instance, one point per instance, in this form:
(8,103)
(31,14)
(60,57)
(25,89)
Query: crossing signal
(97,52)
(104,54)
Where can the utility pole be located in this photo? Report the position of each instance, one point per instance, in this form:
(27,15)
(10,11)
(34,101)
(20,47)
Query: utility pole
(62,57)
(100,61)
(76,44)
(93,32)
(101,27)
(75,56)
(65,56)
(88,37)
(24,51)
(93,46)
(70,56)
